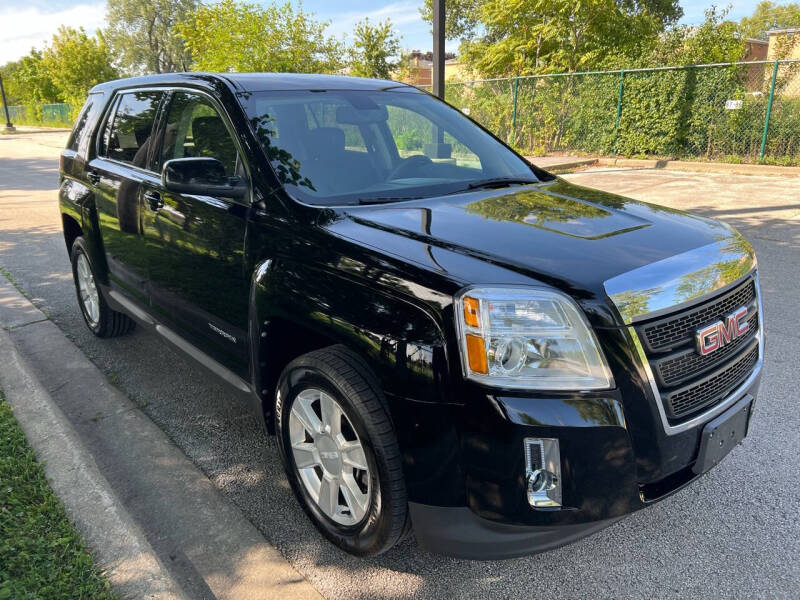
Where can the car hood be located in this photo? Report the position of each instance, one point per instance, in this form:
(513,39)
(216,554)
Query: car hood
(570,236)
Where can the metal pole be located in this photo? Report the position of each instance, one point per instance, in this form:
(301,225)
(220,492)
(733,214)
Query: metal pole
(619,109)
(438,48)
(769,109)
(514,112)
(9,127)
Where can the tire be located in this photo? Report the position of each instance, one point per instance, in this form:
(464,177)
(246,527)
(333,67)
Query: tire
(101,319)
(360,528)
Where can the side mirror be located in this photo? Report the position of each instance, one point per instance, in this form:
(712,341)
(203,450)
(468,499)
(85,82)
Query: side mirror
(201,176)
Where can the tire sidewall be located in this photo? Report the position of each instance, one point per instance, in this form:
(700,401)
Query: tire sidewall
(78,249)
(369,536)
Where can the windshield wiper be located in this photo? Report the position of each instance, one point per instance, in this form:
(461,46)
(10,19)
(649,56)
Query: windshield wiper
(496,182)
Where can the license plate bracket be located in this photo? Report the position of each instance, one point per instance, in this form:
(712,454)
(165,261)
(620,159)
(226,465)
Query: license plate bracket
(723,434)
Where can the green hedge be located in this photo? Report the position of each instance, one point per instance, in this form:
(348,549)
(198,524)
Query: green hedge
(671,114)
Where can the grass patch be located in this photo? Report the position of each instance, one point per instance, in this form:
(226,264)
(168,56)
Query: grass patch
(41,554)
(7,274)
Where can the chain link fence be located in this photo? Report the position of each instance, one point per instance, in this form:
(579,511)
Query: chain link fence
(735,112)
(47,115)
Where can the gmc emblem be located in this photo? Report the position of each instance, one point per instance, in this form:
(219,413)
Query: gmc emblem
(715,336)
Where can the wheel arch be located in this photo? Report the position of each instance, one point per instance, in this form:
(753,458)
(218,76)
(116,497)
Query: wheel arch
(400,341)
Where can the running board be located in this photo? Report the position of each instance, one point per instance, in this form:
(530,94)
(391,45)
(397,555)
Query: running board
(193,351)
(204,359)
(131,307)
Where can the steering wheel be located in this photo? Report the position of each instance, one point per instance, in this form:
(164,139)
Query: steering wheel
(413,161)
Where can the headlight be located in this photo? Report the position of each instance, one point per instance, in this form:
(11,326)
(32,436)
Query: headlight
(528,338)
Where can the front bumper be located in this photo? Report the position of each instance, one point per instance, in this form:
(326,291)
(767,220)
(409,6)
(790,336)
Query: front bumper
(604,475)
(457,531)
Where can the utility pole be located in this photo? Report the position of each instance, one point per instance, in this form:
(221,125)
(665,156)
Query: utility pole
(437,148)
(438,48)
(9,128)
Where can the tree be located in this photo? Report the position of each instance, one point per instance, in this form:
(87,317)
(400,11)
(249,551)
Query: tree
(465,18)
(373,49)
(140,35)
(521,37)
(238,36)
(27,82)
(462,17)
(716,40)
(76,62)
(769,15)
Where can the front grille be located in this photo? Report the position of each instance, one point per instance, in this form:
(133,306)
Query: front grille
(713,389)
(688,381)
(673,331)
(677,368)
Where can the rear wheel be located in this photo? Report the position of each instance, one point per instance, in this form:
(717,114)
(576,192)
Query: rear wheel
(101,319)
(340,451)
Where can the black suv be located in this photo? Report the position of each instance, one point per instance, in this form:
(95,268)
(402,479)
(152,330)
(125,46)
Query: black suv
(439,334)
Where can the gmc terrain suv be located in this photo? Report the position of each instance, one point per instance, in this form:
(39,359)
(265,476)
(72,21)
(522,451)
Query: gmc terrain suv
(441,336)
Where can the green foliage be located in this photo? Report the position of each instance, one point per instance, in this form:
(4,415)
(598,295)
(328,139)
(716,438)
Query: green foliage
(769,15)
(373,48)
(521,37)
(716,40)
(41,555)
(462,17)
(27,82)
(140,35)
(665,113)
(238,36)
(76,62)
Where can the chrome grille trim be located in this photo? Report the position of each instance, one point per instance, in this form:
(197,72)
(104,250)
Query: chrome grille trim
(678,282)
(717,409)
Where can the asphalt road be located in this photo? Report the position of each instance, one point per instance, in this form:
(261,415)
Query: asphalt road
(734,533)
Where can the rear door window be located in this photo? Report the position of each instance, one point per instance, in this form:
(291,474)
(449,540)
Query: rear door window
(131,136)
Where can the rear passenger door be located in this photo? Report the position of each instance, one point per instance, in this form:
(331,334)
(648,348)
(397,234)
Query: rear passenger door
(123,164)
(195,244)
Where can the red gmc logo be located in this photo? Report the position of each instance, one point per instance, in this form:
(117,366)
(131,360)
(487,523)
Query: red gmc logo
(715,336)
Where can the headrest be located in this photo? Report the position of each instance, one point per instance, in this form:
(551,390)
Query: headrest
(326,139)
(208,129)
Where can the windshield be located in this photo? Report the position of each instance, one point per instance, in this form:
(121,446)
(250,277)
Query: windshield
(334,147)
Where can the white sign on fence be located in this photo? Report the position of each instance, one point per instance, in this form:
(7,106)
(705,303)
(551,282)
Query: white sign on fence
(733,104)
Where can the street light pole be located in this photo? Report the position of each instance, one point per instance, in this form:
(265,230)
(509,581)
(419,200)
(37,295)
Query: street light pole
(9,128)
(438,48)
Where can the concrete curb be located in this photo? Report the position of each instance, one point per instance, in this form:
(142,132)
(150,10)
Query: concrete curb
(558,167)
(119,546)
(700,167)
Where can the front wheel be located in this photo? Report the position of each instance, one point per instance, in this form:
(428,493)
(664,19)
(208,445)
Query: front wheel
(340,452)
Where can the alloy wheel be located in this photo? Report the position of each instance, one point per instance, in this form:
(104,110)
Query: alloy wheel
(87,289)
(329,457)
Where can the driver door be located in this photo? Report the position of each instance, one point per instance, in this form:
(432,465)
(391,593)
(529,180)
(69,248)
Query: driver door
(195,244)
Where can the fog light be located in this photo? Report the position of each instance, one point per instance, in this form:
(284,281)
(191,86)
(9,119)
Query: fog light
(543,472)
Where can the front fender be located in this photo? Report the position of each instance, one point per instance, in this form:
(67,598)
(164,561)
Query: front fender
(400,340)
(296,308)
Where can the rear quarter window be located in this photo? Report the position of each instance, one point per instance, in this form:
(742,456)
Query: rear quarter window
(85,123)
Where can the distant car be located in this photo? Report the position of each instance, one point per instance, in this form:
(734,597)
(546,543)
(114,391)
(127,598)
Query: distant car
(440,334)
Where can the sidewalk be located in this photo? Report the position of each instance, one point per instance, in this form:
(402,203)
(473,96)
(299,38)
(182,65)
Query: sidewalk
(150,516)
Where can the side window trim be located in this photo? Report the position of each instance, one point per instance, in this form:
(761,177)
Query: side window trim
(101,143)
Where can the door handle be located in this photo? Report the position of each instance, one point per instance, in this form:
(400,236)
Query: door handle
(154,200)
(94,177)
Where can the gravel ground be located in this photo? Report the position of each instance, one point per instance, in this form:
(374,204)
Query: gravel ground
(734,533)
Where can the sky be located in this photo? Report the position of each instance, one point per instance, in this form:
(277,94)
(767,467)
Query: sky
(28,23)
